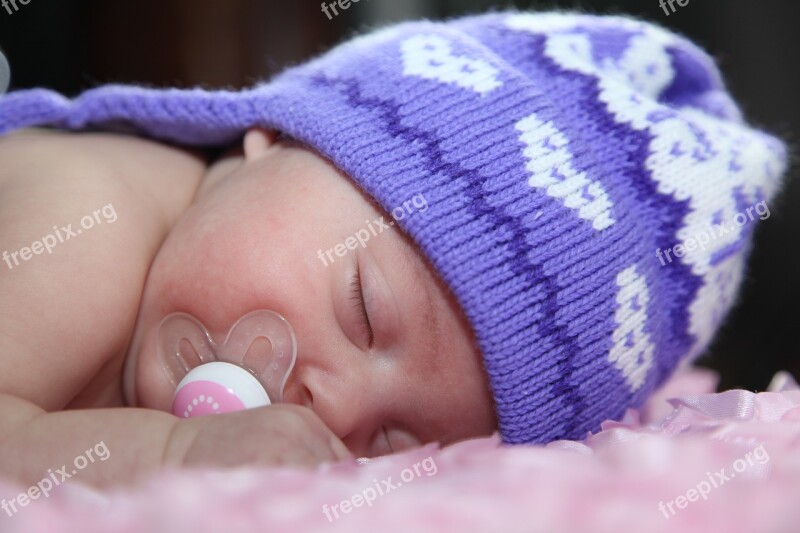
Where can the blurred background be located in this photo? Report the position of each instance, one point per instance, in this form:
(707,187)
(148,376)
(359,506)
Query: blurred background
(72,46)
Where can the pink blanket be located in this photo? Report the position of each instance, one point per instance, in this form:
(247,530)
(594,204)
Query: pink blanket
(690,460)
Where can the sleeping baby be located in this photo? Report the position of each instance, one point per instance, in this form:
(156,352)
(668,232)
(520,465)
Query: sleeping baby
(431,233)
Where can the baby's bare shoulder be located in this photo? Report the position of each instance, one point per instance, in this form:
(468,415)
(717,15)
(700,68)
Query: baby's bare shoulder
(164,174)
(81,218)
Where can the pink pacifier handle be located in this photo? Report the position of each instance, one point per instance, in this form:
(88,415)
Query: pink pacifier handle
(217,387)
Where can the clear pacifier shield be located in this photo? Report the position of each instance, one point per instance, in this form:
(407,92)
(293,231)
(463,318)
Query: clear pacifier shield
(261,342)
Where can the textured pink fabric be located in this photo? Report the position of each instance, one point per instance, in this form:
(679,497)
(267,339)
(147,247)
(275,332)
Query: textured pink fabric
(611,481)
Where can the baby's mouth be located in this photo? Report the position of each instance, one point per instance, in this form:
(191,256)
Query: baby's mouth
(252,363)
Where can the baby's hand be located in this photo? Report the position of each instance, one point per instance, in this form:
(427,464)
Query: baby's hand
(275,435)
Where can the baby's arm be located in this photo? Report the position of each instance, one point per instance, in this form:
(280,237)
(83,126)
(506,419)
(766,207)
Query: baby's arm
(34,441)
(67,311)
(137,442)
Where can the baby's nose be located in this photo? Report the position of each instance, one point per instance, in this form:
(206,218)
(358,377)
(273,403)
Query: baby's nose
(296,392)
(347,398)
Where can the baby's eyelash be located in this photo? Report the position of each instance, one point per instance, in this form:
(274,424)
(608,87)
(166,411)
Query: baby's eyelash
(357,297)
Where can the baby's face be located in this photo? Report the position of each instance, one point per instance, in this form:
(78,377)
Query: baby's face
(385,357)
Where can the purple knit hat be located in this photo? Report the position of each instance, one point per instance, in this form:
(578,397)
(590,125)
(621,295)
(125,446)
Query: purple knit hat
(591,186)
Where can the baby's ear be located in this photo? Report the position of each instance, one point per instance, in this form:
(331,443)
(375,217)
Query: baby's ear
(257,141)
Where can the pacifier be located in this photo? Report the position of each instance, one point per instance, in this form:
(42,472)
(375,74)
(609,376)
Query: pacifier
(249,369)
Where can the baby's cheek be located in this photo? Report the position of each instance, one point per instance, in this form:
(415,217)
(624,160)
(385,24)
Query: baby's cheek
(207,266)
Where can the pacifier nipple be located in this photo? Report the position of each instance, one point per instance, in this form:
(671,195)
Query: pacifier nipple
(249,369)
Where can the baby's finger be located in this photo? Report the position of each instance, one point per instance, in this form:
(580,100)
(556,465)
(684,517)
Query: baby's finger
(327,446)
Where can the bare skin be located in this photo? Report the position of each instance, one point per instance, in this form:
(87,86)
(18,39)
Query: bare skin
(79,361)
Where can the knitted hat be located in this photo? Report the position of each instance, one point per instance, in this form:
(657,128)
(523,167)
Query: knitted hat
(592,188)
